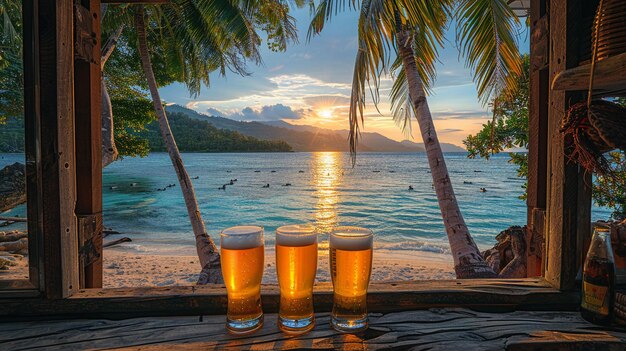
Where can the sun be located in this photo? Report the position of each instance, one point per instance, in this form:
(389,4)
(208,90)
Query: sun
(325,113)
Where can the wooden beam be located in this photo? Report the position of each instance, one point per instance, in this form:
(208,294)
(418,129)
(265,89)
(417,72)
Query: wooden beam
(88,105)
(510,294)
(568,215)
(56,193)
(32,138)
(609,75)
(537,136)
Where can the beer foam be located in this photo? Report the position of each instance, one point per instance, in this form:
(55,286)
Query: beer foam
(242,237)
(296,235)
(351,239)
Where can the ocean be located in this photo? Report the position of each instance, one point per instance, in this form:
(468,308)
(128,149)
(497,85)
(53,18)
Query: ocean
(324,190)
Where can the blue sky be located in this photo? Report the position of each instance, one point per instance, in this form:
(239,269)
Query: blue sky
(310,84)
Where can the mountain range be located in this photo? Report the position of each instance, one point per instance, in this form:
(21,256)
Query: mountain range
(308,138)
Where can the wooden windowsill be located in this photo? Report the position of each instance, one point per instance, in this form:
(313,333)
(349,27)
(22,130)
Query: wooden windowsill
(486,294)
(440,329)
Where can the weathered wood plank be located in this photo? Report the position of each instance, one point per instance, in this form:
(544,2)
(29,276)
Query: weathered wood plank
(437,329)
(382,297)
(88,105)
(32,139)
(57,193)
(568,184)
(609,75)
(537,134)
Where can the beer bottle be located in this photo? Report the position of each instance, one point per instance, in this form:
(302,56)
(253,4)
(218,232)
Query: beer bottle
(598,293)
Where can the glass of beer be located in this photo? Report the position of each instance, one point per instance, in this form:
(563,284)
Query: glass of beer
(350,268)
(296,265)
(242,257)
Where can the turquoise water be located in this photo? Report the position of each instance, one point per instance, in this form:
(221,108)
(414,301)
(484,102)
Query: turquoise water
(325,190)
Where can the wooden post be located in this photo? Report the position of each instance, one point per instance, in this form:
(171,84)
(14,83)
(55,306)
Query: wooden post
(569,201)
(30,10)
(53,121)
(88,105)
(537,136)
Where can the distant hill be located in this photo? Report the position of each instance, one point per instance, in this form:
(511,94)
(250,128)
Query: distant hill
(196,135)
(301,138)
(445,147)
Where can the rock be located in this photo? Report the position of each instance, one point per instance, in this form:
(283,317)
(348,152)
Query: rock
(12,186)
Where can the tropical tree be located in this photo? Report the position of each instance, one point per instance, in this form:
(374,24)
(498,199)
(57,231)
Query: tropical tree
(508,127)
(191,39)
(403,36)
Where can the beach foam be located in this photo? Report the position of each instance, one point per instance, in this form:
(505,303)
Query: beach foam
(242,237)
(351,238)
(296,235)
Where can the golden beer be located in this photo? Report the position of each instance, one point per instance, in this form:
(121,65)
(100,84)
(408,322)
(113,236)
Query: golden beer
(242,258)
(350,268)
(296,266)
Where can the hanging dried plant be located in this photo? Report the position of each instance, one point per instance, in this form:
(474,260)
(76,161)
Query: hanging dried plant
(595,129)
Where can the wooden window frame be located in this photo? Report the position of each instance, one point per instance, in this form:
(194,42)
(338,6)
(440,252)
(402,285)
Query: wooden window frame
(53,167)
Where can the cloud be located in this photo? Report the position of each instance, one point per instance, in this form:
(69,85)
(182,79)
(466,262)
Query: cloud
(450,130)
(276,68)
(265,113)
(442,115)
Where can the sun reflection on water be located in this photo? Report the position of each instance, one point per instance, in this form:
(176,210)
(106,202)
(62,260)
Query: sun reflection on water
(326,168)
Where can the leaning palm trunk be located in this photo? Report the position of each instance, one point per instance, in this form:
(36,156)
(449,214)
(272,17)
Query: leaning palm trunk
(468,262)
(207,251)
(109,149)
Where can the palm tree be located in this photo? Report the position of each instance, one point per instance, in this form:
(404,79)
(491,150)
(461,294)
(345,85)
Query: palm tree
(198,37)
(413,30)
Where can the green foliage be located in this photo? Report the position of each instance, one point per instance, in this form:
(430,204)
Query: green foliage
(511,130)
(132,110)
(11,71)
(511,125)
(12,135)
(610,190)
(200,136)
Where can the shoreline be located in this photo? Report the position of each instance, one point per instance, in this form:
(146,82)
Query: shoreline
(126,269)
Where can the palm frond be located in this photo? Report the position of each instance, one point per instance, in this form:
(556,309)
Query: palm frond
(324,12)
(372,58)
(486,34)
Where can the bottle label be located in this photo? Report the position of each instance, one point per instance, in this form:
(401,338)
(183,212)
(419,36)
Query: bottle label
(595,298)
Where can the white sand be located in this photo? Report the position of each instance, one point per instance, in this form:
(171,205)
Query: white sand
(126,269)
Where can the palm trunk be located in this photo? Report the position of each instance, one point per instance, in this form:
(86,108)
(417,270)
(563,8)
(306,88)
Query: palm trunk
(109,149)
(207,251)
(468,262)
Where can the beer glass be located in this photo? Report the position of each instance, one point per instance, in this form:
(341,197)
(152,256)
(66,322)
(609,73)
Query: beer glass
(242,256)
(350,268)
(296,265)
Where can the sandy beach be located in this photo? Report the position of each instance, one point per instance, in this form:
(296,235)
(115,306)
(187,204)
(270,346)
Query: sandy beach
(125,269)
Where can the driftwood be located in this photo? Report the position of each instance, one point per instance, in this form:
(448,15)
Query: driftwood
(13,219)
(12,236)
(12,186)
(14,246)
(116,242)
(436,329)
(508,256)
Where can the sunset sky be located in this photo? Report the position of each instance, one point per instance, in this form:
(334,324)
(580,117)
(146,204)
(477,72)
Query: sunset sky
(310,84)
